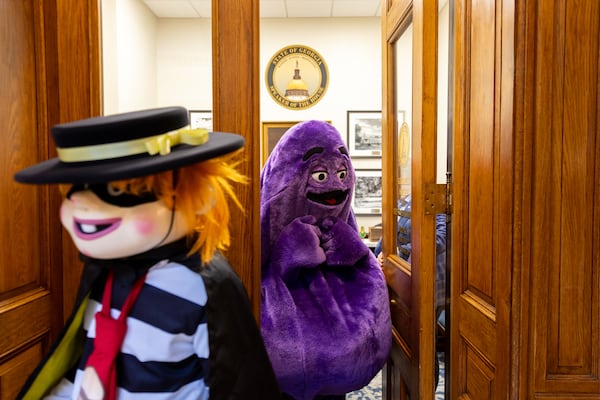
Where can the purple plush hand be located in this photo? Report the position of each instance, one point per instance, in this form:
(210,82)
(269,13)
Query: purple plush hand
(341,243)
(298,246)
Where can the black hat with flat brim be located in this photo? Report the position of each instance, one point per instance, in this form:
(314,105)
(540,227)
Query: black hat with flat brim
(127,145)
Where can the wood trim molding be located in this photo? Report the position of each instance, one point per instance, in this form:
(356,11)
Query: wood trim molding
(236,108)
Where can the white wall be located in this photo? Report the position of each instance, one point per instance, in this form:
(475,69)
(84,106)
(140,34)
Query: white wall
(351,48)
(150,62)
(109,57)
(184,63)
(129,56)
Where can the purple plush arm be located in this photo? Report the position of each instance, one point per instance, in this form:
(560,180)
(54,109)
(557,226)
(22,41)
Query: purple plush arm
(298,246)
(341,243)
(304,243)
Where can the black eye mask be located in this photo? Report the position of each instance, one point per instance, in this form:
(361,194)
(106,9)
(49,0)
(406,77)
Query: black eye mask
(120,200)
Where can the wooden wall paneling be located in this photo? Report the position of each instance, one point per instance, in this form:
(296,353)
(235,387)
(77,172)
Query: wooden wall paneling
(505,178)
(79,61)
(78,68)
(32,76)
(523,149)
(26,283)
(236,108)
(483,184)
(18,105)
(563,236)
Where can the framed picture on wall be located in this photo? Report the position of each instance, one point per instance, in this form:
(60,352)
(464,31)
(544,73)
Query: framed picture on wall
(272,131)
(367,192)
(364,133)
(201,119)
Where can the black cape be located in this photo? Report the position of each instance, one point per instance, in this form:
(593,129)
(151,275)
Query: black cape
(239,367)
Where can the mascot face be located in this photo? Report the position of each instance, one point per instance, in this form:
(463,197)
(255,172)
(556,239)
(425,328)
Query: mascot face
(309,172)
(327,180)
(107,224)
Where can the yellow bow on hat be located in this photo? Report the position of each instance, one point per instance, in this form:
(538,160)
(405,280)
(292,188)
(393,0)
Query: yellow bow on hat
(159,144)
(162,144)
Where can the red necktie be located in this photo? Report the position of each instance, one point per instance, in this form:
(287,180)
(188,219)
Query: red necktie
(109,337)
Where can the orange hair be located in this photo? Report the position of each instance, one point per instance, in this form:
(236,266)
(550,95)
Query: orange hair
(201,193)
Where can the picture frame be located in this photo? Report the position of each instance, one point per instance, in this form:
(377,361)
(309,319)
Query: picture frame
(364,133)
(272,131)
(367,192)
(201,119)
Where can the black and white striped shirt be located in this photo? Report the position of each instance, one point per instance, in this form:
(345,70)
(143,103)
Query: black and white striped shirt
(191,333)
(166,349)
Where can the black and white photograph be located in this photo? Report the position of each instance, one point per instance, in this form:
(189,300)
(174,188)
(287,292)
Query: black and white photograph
(367,192)
(364,133)
(201,119)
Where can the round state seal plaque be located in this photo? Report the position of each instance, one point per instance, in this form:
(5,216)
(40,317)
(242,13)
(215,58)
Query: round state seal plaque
(297,77)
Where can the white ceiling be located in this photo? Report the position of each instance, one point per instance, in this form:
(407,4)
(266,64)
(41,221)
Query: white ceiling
(272,8)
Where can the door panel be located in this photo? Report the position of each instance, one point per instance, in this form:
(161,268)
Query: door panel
(37,92)
(26,298)
(482,171)
(410,373)
(561,239)
(526,276)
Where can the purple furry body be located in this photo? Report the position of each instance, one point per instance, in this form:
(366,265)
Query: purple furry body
(325,314)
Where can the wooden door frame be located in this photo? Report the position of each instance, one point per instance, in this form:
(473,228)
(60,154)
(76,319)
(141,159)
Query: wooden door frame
(72,90)
(236,108)
(77,96)
(425,94)
(418,353)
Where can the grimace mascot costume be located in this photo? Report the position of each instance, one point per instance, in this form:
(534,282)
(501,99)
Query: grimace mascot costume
(160,314)
(325,315)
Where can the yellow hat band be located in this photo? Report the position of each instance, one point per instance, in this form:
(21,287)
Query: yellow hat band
(159,144)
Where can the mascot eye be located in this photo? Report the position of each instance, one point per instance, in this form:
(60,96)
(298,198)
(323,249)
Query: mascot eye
(342,174)
(319,176)
(113,191)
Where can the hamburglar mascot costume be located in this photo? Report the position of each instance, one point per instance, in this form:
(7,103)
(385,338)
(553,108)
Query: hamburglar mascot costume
(325,316)
(160,314)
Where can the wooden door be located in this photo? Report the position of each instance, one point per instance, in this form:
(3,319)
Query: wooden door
(525,271)
(483,173)
(409,160)
(557,198)
(38,273)
(26,284)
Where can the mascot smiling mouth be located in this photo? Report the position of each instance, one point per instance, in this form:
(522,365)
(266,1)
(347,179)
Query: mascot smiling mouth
(332,198)
(94,229)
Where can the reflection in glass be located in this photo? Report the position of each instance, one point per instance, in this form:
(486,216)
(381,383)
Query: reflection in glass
(403,79)
(442,316)
(403,222)
(403,128)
